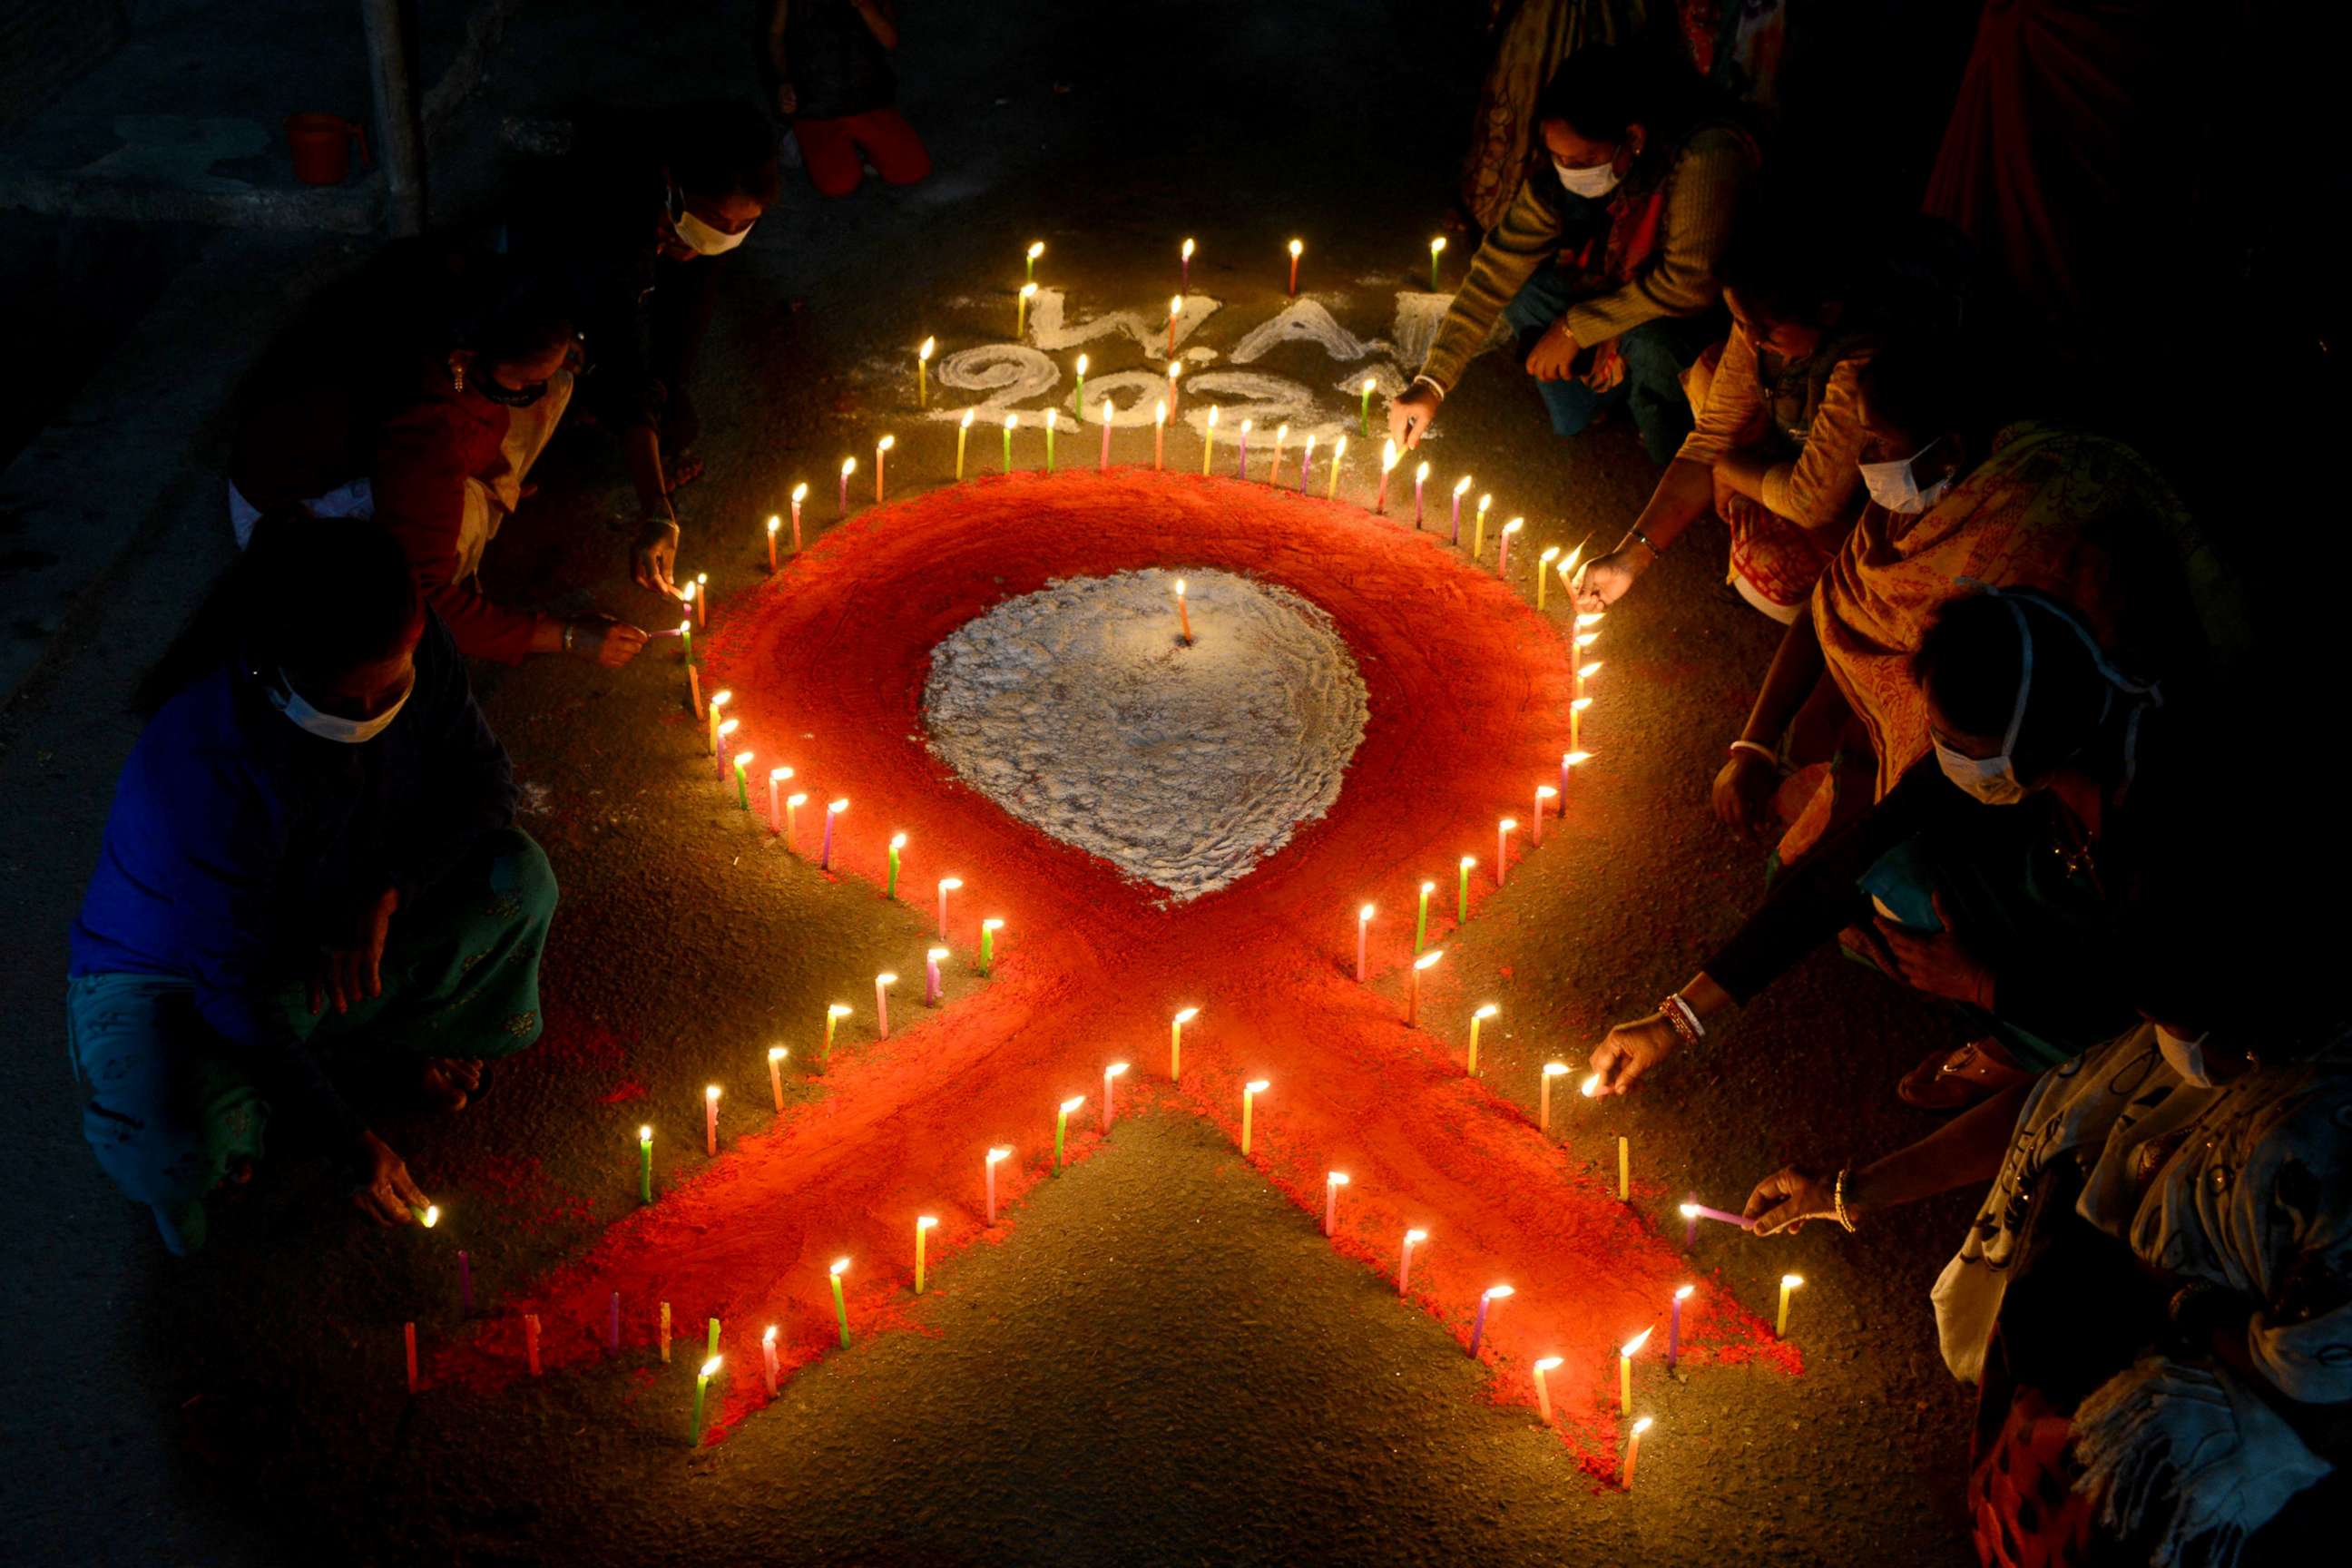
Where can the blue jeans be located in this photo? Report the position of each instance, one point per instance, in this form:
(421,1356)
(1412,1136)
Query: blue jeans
(1657,354)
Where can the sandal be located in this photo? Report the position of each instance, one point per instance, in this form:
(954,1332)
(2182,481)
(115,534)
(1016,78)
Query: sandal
(1954,1080)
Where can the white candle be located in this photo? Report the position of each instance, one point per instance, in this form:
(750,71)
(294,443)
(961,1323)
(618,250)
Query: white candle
(1363,929)
(882,983)
(988,1166)
(1503,830)
(1331,1185)
(1111,1074)
(1543,1095)
(1412,1239)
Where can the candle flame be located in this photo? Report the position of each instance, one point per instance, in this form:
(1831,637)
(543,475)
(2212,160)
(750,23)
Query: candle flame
(710,1368)
(1516,524)
(775,522)
(1388,455)
(1028,290)
(1114,1070)
(1589,620)
(1213,412)
(1642,1425)
(1545,792)
(1051,414)
(1587,672)
(1468,862)
(935,953)
(1421,475)
(796,801)
(1462,486)
(967,417)
(777,776)
(645,1134)
(1281,433)
(1496,1292)
(848,467)
(1036,249)
(1295,247)
(837,805)
(1245,426)
(770,1337)
(687,594)
(1486,500)
(1369,383)
(1576,759)
(1186,1015)
(1175,368)
(950,884)
(923,350)
(685,625)
(742,759)
(1636,1343)
(431,1216)
(1488,1011)
(799,491)
(886,978)
(926,1221)
(1073,1103)
(1159,412)
(777,1053)
(885,443)
(1082,364)
(723,696)
(1508,825)
(838,1010)
(1416,1237)
(1180,588)
(711,1092)
(1336,1179)
(1256,1086)
(840,1266)
(1568,567)
(1188,250)
(1551,552)
(1011,420)
(1427,889)
(1790,1282)
(1546,1363)
(1426,959)
(1364,914)
(1684,1293)
(1579,705)
(1554,1069)
(897,841)
(1339,448)
(997,1154)
(1175,305)
(729,727)
(1437,245)
(992,925)
(1590,1089)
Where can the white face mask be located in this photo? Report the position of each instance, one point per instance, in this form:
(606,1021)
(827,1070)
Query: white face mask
(703,239)
(2185,1057)
(1896,486)
(1597,181)
(332,726)
(1993,780)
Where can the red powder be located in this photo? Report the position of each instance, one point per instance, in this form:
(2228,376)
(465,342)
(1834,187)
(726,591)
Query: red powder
(1468,691)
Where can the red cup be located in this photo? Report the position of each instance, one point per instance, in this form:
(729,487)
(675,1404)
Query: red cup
(321,145)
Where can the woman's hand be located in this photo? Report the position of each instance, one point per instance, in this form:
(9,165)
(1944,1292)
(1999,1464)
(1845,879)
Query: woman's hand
(1554,356)
(1411,412)
(1604,578)
(1934,962)
(1787,1198)
(385,1192)
(607,642)
(1743,790)
(1632,1049)
(345,976)
(654,559)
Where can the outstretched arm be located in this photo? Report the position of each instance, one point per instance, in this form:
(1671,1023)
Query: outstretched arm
(1965,1152)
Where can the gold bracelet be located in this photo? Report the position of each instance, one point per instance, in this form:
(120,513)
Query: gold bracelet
(1837,1197)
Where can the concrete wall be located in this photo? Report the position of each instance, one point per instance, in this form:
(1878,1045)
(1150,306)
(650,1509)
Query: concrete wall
(45,44)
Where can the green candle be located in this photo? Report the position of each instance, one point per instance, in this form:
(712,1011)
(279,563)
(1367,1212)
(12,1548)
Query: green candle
(712,1348)
(1049,438)
(686,637)
(987,945)
(1079,405)
(1010,420)
(1462,898)
(1061,1126)
(702,1387)
(1369,384)
(840,1307)
(742,789)
(897,842)
(1421,921)
(645,1164)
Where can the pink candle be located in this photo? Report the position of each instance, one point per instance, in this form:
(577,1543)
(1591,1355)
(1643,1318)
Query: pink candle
(1695,1211)
(882,983)
(1420,480)
(1412,1239)
(1380,496)
(1331,1185)
(1487,1299)
(1241,463)
(1363,927)
(710,1120)
(947,885)
(932,988)
(1544,793)
(1503,847)
(1111,1074)
(768,1356)
(776,777)
(1674,1325)
(800,494)
(1107,411)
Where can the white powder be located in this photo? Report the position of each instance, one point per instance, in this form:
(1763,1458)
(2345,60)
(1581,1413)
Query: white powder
(1078,710)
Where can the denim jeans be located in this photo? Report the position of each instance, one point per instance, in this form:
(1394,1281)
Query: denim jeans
(1655,353)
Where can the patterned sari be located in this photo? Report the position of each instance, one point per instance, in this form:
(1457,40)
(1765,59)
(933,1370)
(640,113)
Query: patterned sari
(1532,39)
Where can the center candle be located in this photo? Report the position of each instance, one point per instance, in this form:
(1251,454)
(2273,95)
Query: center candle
(1413,997)
(946,885)
(710,1120)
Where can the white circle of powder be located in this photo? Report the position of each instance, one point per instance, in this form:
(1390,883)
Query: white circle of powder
(1078,710)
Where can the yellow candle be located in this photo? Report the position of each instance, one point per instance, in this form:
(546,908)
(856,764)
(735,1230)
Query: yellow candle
(923,1227)
(1176,1047)
(1249,1091)
(963,433)
(1478,531)
(1338,450)
(1480,1017)
(1208,442)
(1625,1169)
(923,373)
(1625,1372)
(1788,1282)
(1543,571)
(1021,312)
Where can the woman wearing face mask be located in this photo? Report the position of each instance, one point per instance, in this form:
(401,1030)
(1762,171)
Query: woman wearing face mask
(645,203)
(350,418)
(1996,871)
(313,845)
(2190,1178)
(1605,263)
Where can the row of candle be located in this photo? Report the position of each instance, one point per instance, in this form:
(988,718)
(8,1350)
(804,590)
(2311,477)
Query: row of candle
(1184,252)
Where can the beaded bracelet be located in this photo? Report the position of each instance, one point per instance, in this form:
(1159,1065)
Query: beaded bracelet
(1680,1018)
(1837,1198)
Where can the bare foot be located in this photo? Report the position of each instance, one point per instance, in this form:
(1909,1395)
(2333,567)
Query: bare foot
(450,1081)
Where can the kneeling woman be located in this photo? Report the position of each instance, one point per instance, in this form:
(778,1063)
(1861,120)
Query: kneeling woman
(312,846)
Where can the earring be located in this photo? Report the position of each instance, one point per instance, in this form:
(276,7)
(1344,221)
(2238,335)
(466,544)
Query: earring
(457,377)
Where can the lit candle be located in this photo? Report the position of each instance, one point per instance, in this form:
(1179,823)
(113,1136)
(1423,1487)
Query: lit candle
(922,393)
(1176,1041)
(800,494)
(1295,247)
(1281,435)
(1478,527)
(768,1357)
(1487,1299)
(1633,1449)
(881,457)
(946,885)
(1021,312)
(1413,997)
(932,988)
(1543,571)
(840,1307)
(1175,309)
(1249,1091)
(1625,1169)
(742,780)
(1036,249)
(1078,400)
(1788,1282)
(988,1169)
(703,598)
(701,1388)
(1585,672)
(1503,548)
(1690,1220)
(1470,1064)
(1061,1126)
(686,602)
(1175,369)
(1543,1394)
(1104,467)
(1209,441)
(776,777)
(1625,1372)
(793,804)
(1503,830)
(685,646)
(1696,1211)
(1543,1095)
(1052,419)
(719,699)
(465,1283)
(1388,466)
(693,684)
(1369,386)
(1183,617)
(988,930)
(1186,252)
(1436,249)
(1412,1239)
(1674,1325)
(774,524)
(710,1120)
(1544,795)
(1576,723)
(882,983)
(531,1341)
(833,811)
(1240,458)
(661,1335)
(1111,1074)
(1421,918)
(1009,421)
(1419,483)
(776,1055)
(1461,489)
(1591,1086)
(924,1226)
(890,883)
(645,1164)
(848,467)
(1363,928)
(429,1215)
(963,433)
(1331,1185)
(1159,435)
(1462,891)
(408,1334)
(1338,450)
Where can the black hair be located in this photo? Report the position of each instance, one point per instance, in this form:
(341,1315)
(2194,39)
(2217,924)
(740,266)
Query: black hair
(1923,383)
(1783,270)
(313,595)
(503,311)
(1601,93)
(723,148)
(1970,661)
